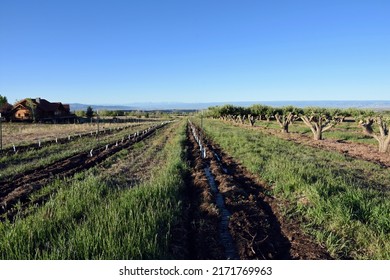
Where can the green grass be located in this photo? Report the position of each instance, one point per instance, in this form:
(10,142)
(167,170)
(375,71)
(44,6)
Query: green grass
(343,202)
(90,218)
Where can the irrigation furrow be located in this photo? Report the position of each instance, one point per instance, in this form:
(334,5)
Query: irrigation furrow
(225,236)
(204,218)
(255,228)
(19,189)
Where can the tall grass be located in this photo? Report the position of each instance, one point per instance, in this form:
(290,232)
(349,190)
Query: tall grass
(90,218)
(343,202)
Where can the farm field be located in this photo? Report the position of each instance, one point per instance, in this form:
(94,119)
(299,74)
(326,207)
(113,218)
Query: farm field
(20,134)
(172,190)
(33,156)
(64,210)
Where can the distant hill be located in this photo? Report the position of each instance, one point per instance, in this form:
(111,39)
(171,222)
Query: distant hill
(83,107)
(365,104)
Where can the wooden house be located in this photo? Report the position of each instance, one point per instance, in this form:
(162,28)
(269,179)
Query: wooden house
(40,109)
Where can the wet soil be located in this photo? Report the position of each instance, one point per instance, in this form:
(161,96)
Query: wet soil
(258,228)
(203,215)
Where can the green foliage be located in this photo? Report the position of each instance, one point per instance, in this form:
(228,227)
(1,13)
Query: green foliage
(80,113)
(257,110)
(89,113)
(284,111)
(3,100)
(213,112)
(111,113)
(317,112)
(227,110)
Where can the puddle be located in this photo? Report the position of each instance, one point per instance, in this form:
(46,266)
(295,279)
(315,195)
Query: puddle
(226,238)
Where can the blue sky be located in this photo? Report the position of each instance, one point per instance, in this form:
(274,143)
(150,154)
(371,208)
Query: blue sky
(119,52)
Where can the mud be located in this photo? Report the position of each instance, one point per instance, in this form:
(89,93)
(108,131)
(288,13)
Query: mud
(203,215)
(256,224)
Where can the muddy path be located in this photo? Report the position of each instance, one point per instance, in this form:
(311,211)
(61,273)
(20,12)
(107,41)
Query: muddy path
(203,214)
(255,223)
(19,189)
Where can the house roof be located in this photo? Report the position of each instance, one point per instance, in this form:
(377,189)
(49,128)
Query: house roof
(48,106)
(43,104)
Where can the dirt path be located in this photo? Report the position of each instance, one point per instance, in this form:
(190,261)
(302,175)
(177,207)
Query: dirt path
(258,229)
(19,189)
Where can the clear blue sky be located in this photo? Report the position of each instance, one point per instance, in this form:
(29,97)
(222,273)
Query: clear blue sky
(119,52)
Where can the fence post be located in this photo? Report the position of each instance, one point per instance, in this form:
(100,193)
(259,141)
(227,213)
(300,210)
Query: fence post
(97,113)
(1,133)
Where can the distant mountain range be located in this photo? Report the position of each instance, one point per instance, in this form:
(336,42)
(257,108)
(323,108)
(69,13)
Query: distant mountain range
(365,104)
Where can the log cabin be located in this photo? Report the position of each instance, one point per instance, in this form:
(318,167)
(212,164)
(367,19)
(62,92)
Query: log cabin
(41,110)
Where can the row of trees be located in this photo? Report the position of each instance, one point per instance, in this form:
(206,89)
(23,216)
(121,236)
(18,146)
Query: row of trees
(3,100)
(317,119)
(90,112)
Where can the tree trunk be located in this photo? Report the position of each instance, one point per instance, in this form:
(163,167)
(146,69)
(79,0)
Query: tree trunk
(383,143)
(242,119)
(283,122)
(251,120)
(317,135)
(383,137)
(314,127)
